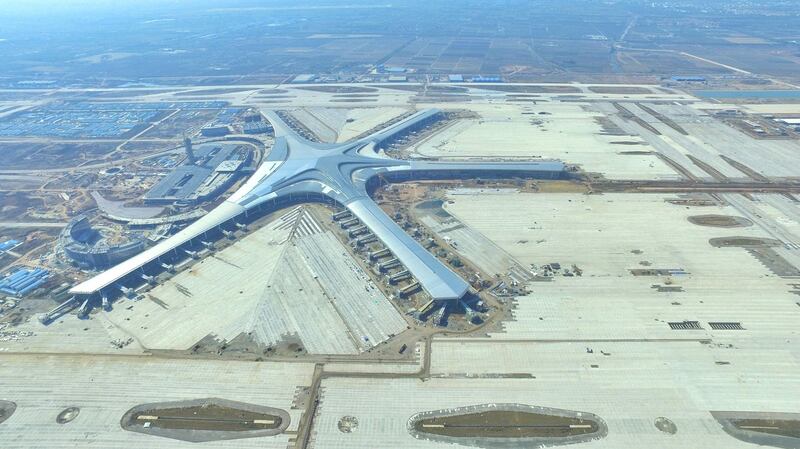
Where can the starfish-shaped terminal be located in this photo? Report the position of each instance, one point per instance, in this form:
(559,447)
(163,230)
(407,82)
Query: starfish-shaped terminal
(297,170)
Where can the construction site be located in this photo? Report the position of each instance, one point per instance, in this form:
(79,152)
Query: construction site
(421,224)
(585,264)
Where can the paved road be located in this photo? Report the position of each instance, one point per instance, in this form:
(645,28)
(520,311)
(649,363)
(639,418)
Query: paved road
(94,166)
(31,177)
(31,224)
(175,148)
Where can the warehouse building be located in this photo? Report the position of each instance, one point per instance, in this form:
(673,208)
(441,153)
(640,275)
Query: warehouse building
(9,244)
(23,281)
(216,130)
(255,124)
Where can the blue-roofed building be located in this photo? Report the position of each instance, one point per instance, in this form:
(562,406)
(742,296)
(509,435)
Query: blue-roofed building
(487,79)
(8,244)
(215,130)
(23,281)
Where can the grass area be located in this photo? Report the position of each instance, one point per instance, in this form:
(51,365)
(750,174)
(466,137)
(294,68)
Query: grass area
(506,424)
(7,409)
(787,428)
(720,221)
(206,417)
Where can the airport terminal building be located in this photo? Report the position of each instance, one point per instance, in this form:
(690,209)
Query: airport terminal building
(210,170)
(297,170)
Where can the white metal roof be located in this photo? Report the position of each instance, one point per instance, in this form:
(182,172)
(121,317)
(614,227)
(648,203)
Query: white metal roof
(220,214)
(438,280)
(340,172)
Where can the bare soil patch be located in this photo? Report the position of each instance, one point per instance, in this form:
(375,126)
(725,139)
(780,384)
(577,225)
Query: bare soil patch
(339,89)
(207,417)
(720,221)
(787,428)
(633,90)
(220,91)
(7,409)
(539,89)
(506,424)
(210,419)
(743,242)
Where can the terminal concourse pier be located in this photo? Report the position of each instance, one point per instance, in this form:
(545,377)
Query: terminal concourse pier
(297,170)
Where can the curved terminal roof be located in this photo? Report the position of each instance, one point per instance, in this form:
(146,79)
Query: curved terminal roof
(220,214)
(340,172)
(439,281)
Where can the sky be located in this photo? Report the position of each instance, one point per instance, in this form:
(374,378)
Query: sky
(73,7)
